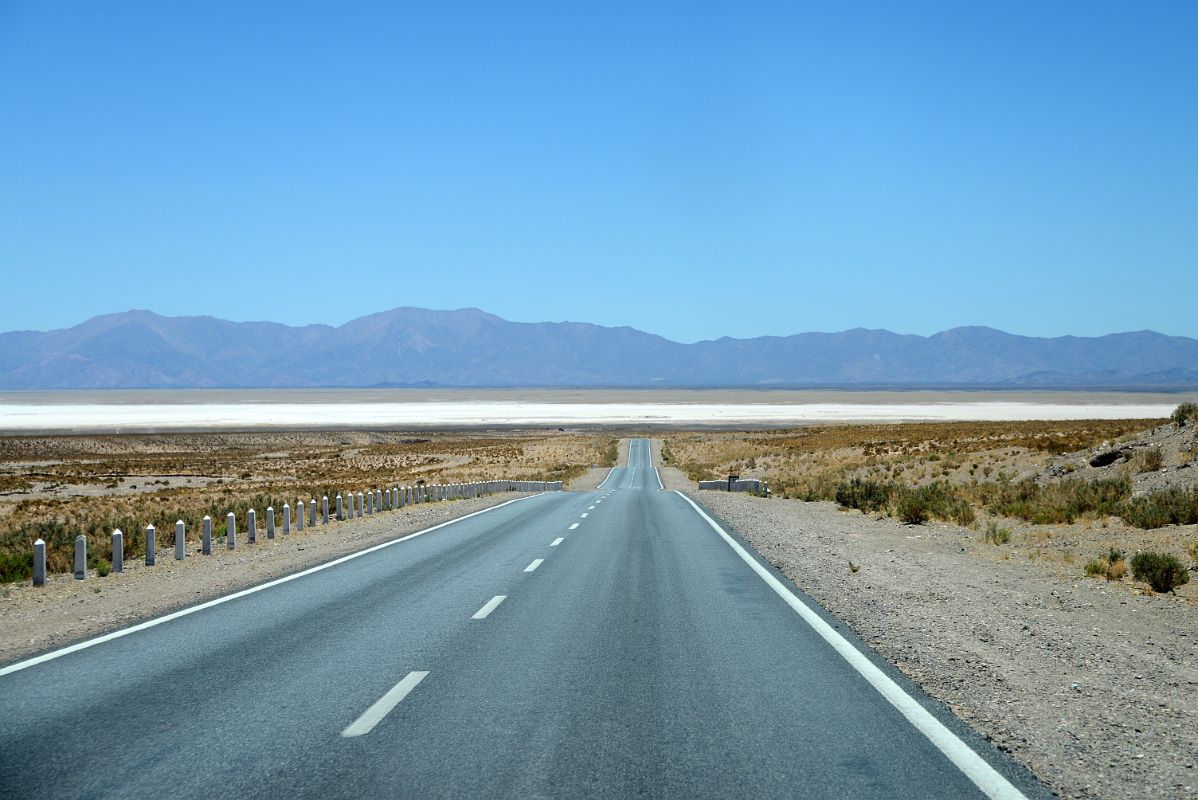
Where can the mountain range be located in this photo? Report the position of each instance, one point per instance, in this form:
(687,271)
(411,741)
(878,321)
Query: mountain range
(471,348)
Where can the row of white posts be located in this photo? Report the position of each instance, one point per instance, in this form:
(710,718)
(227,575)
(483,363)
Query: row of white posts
(347,507)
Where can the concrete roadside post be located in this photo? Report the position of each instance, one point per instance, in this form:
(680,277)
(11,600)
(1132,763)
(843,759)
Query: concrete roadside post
(312,514)
(361,503)
(151,545)
(340,509)
(231,531)
(39,563)
(80,557)
(324,510)
(206,543)
(286,519)
(378,499)
(299,515)
(251,526)
(270,522)
(118,551)
(180,540)
(370,502)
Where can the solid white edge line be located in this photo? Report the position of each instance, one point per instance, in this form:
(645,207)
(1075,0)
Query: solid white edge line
(984,776)
(141,626)
(491,605)
(572,527)
(381,707)
(536,562)
(610,472)
(557,541)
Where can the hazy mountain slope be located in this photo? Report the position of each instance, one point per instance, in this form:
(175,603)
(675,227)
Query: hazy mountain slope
(468,347)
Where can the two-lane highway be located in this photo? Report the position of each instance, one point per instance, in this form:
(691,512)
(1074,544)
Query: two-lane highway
(604,644)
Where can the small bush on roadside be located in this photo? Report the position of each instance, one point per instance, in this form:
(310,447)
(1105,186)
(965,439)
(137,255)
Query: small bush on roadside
(1151,460)
(918,505)
(1112,567)
(996,535)
(913,508)
(864,495)
(1172,506)
(1184,412)
(1161,571)
(103,567)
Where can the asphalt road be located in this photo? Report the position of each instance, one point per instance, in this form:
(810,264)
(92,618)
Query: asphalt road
(634,652)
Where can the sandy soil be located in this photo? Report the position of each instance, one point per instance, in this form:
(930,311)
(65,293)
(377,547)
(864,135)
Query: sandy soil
(1091,685)
(66,610)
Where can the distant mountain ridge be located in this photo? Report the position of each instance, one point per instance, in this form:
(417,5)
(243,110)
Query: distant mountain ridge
(471,348)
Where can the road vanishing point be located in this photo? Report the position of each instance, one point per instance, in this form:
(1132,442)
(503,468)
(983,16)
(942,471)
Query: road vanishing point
(608,644)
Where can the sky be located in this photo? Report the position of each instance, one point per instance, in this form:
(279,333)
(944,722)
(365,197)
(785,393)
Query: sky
(691,169)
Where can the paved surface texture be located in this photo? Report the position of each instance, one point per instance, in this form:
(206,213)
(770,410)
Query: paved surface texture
(599,644)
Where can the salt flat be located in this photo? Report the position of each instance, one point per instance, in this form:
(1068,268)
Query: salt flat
(416,409)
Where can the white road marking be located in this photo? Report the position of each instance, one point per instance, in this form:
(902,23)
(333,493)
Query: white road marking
(575,525)
(610,472)
(583,515)
(590,508)
(491,605)
(557,541)
(984,776)
(141,626)
(374,715)
(536,563)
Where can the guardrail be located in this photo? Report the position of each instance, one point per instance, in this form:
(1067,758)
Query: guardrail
(347,508)
(741,485)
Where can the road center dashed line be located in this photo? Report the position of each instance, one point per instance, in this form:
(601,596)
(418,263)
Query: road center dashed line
(536,563)
(557,541)
(575,525)
(491,605)
(374,715)
(583,515)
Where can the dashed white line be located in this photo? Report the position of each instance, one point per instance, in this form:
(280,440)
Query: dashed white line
(141,626)
(374,715)
(583,515)
(557,541)
(536,563)
(590,508)
(575,525)
(491,605)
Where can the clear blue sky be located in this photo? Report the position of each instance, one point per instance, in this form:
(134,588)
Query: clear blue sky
(690,169)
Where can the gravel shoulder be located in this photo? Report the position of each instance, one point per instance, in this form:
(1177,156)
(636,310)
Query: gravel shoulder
(1093,687)
(36,619)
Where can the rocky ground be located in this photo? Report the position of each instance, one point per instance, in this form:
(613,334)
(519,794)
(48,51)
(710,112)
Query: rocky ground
(1155,459)
(1092,685)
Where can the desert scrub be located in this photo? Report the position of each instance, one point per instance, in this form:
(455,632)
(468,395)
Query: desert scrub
(1161,571)
(609,454)
(1150,460)
(940,500)
(1064,501)
(1172,506)
(995,534)
(865,495)
(1184,413)
(1111,567)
